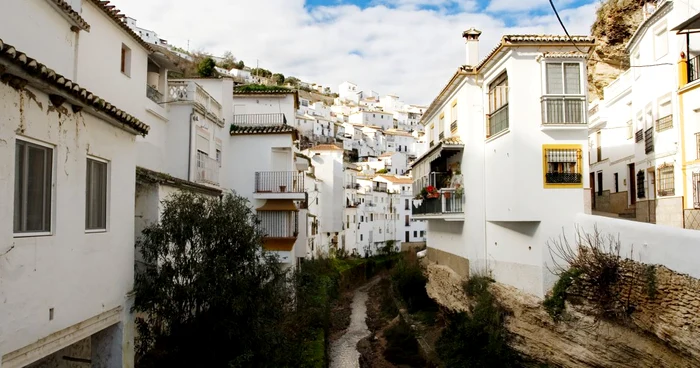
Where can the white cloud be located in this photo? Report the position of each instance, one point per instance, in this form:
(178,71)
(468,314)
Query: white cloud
(404,50)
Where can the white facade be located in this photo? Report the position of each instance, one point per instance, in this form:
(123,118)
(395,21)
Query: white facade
(381,119)
(146,34)
(349,91)
(494,221)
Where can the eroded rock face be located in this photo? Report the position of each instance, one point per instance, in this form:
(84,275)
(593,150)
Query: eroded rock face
(615,23)
(580,340)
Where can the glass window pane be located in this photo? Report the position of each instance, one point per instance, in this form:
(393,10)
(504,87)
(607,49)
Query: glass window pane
(32,207)
(572,73)
(96,195)
(554,79)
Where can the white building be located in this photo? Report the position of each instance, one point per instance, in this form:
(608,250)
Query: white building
(400,141)
(636,135)
(384,120)
(349,91)
(408,230)
(69,157)
(146,34)
(493,176)
(327,162)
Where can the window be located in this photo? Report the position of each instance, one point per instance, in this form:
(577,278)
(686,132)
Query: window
(441,126)
(407,221)
(33,177)
(126,60)
(415,234)
(422,233)
(498,106)
(362,219)
(453,116)
(430,134)
(96,195)
(562,165)
(360,236)
(665,117)
(371,217)
(563,78)
(640,184)
(406,204)
(666,180)
(600,183)
(218,156)
(599,148)
(660,43)
(615,182)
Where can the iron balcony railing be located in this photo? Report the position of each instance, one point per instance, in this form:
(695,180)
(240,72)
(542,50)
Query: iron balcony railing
(380,187)
(441,136)
(153,94)
(437,179)
(639,136)
(352,186)
(207,169)
(279,182)
(274,119)
(184,90)
(649,140)
(279,224)
(448,202)
(563,110)
(664,123)
(453,126)
(694,69)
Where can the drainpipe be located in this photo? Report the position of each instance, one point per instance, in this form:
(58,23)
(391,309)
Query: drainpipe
(189,153)
(483,177)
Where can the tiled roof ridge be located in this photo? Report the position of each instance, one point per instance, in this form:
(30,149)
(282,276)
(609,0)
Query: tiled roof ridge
(262,92)
(118,18)
(326,147)
(41,71)
(72,14)
(266,129)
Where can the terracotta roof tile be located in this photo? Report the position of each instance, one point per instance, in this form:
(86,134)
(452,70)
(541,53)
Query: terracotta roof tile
(397,180)
(73,15)
(454,140)
(326,147)
(268,129)
(39,71)
(118,18)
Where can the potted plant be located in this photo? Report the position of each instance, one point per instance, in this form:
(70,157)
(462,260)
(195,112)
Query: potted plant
(447,194)
(459,192)
(283,188)
(432,192)
(418,200)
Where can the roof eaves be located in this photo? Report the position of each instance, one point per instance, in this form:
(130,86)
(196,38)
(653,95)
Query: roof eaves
(115,14)
(71,15)
(39,75)
(150,176)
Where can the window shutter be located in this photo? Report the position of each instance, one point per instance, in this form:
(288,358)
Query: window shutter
(202,143)
(572,73)
(554,79)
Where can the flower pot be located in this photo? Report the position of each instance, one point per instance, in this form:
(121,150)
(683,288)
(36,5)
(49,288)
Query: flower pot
(283,188)
(433,195)
(447,195)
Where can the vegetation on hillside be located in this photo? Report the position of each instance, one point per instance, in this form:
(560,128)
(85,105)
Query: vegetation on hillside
(259,87)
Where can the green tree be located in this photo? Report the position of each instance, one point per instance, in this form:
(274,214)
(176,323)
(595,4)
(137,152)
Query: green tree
(240,65)
(206,68)
(292,81)
(209,295)
(278,78)
(228,62)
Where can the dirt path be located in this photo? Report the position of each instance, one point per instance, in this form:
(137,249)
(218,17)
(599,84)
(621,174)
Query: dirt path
(344,352)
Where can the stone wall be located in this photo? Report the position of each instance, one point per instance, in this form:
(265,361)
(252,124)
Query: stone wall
(646,211)
(456,263)
(611,202)
(691,219)
(660,339)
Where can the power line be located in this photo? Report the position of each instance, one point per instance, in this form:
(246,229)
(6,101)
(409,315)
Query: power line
(562,25)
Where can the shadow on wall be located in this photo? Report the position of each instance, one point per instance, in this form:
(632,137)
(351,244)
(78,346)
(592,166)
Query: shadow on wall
(528,228)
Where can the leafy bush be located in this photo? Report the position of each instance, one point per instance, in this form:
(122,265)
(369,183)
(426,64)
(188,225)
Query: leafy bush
(478,338)
(382,171)
(555,301)
(206,68)
(402,346)
(409,282)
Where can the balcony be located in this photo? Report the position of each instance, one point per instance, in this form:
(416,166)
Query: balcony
(649,140)
(437,179)
(279,184)
(639,136)
(280,229)
(351,204)
(274,119)
(448,206)
(664,123)
(694,69)
(153,94)
(207,169)
(352,186)
(379,187)
(189,91)
(563,110)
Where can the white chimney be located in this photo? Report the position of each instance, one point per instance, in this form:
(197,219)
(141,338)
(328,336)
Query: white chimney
(471,37)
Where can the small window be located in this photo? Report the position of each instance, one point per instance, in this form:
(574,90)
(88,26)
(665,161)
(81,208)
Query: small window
(415,233)
(666,180)
(600,183)
(453,117)
(96,195)
(498,106)
(218,156)
(33,177)
(407,205)
(615,182)
(640,184)
(126,60)
(563,166)
(422,233)
(407,221)
(361,237)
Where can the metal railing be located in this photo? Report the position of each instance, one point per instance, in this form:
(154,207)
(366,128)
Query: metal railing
(436,179)
(441,136)
(183,90)
(379,187)
(207,169)
(279,182)
(453,126)
(563,110)
(352,186)
(639,136)
(279,224)
(649,140)
(694,69)
(664,123)
(274,119)
(154,94)
(449,201)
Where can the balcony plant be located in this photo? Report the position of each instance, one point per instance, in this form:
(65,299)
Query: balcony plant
(459,192)
(431,192)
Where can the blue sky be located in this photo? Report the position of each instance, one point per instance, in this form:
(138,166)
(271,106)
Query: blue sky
(404,47)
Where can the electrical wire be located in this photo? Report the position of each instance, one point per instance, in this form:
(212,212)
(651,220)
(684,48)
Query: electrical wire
(562,25)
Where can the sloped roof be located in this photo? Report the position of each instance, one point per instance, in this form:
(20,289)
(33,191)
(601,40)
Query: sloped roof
(326,147)
(397,180)
(398,132)
(269,129)
(67,10)
(115,14)
(40,72)
(149,176)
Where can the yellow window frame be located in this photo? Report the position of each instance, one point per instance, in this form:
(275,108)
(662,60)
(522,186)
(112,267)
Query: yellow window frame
(579,165)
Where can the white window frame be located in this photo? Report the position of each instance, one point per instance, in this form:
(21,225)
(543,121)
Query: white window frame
(52,211)
(561,62)
(107,196)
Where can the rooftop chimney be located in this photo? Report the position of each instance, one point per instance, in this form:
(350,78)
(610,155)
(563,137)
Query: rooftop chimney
(471,37)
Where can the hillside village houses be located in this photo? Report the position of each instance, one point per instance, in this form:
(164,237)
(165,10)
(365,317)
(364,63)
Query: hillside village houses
(643,133)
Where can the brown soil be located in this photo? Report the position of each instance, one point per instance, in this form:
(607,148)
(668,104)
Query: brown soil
(340,314)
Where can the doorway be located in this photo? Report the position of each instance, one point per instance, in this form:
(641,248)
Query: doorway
(408,236)
(652,183)
(592,183)
(632,185)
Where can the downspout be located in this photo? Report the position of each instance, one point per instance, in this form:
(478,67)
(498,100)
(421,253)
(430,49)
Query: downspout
(189,152)
(76,53)
(483,125)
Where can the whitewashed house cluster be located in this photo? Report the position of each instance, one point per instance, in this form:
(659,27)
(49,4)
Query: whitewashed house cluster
(490,168)
(643,133)
(94,138)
